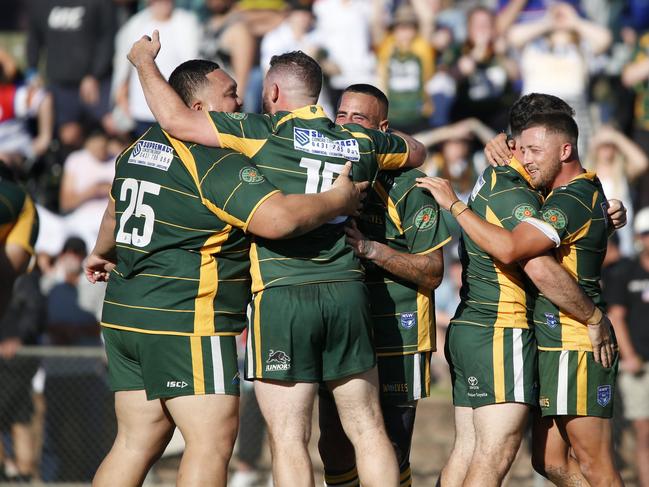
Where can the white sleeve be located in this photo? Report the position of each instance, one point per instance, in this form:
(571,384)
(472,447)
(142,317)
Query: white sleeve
(547,229)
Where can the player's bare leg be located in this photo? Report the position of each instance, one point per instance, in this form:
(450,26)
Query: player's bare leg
(143,430)
(551,456)
(357,400)
(209,426)
(499,430)
(336,451)
(454,472)
(288,408)
(591,440)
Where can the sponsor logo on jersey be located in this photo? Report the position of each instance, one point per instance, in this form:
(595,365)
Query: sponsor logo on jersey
(151,154)
(556,218)
(237,115)
(251,175)
(551,320)
(408,320)
(604,395)
(314,142)
(524,211)
(177,384)
(426,218)
(277,360)
(544,402)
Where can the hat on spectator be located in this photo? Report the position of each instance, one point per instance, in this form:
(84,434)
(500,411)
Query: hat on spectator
(405,14)
(641,221)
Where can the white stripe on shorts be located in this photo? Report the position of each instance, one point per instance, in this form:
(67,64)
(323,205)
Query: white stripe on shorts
(416,377)
(249,356)
(562,383)
(217,365)
(519,372)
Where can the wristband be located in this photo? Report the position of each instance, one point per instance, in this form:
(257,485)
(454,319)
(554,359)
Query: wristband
(595,318)
(457,208)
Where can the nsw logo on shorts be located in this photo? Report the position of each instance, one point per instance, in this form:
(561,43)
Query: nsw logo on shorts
(277,360)
(604,394)
(551,320)
(408,320)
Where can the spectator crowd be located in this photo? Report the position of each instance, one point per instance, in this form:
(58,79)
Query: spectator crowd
(70,102)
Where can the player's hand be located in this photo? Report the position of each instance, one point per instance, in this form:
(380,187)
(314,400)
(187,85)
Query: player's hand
(498,150)
(97,269)
(363,248)
(617,213)
(146,49)
(441,190)
(9,347)
(353,193)
(602,342)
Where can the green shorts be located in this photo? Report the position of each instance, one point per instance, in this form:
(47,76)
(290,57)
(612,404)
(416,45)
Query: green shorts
(491,365)
(573,384)
(310,333)
(170,365)
(404,378)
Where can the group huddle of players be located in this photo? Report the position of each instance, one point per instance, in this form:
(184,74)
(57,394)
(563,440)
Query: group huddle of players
(220,220)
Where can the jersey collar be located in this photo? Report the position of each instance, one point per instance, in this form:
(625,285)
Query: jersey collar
(518,167)
(308,112)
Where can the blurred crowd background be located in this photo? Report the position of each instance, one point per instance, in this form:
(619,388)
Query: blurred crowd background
(70,103)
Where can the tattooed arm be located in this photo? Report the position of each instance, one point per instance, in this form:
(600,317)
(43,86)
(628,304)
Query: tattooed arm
(425,270)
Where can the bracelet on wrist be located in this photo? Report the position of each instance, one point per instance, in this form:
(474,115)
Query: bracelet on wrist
(596,317)
(457,208)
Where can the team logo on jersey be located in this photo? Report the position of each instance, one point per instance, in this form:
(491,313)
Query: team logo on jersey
(151,154)
(314,142)
(251,175)
(524,211)
(556,218)
(408,320)
(604,395)
(237,115)
(426,218)
(551,320)
(277,360)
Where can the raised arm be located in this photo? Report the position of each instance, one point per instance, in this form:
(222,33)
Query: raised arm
(416,150)
(168,108)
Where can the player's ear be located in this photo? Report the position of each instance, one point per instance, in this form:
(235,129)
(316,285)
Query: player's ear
(567,152)
(197,105)
(274,92)
(383,125)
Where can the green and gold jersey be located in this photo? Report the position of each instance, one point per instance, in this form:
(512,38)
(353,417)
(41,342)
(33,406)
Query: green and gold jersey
(18,216)
(493,293)
(407,219)
(182,256)
(301,152)
(578,212)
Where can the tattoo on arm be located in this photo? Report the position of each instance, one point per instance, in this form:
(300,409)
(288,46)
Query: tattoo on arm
(424,270)
(561,476)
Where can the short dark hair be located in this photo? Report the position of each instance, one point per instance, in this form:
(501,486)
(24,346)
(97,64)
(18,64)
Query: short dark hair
(369,90)
(556,122)
(533,104)
(300,66)
(190,76)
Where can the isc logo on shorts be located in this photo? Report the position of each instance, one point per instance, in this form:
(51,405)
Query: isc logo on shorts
(177,384)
